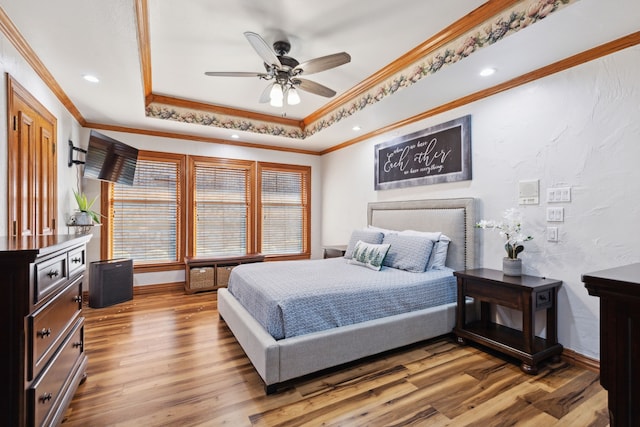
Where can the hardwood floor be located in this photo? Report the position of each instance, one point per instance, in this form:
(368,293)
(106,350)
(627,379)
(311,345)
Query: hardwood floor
(168,360)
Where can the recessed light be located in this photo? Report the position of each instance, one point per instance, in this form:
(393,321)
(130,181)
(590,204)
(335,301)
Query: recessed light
(356,128)
(90,78)
(487,72)
(235,136)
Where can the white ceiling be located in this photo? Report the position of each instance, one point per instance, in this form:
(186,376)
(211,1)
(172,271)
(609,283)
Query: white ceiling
(187,38)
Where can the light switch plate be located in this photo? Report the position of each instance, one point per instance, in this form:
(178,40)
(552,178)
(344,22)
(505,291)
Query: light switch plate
(558,194)
(552,234)
(555,214)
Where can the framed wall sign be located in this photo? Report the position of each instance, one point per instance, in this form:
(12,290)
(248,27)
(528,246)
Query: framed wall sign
(438,154)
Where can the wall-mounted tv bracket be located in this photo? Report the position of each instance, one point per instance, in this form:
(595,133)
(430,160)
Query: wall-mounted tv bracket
(73,161)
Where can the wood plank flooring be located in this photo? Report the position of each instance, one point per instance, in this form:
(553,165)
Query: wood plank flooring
(168,360)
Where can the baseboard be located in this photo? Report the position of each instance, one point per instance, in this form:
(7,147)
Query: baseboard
(150,289)
(160,288)
(581,360)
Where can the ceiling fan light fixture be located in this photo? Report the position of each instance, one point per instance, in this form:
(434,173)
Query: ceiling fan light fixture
(293,98)
(276,96)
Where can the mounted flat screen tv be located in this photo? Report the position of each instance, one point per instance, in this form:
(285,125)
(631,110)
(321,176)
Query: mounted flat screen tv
(110,160)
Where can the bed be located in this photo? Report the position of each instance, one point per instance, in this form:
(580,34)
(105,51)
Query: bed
(290,357)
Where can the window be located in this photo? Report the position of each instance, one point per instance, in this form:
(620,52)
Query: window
(284,209)
(232,207)
(145,221)
(222,207)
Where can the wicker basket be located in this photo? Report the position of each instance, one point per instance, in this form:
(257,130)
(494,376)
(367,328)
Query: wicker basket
(223,276)
(202,278)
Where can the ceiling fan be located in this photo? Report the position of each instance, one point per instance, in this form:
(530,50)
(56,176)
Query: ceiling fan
(286,71)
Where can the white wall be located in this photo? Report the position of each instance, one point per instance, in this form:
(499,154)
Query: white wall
(579,128)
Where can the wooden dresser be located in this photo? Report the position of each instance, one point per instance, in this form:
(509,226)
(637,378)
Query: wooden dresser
(619,292)
(42,335)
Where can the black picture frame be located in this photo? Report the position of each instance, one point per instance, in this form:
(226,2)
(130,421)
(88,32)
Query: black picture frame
(438,154)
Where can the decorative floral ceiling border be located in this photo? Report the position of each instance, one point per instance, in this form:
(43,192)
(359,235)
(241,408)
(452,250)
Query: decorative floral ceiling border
(509,21)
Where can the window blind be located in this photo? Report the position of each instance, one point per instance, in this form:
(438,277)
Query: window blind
(145,216)
(222,209)
(284,211)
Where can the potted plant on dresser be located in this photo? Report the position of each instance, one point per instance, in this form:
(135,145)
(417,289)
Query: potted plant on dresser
(85,215)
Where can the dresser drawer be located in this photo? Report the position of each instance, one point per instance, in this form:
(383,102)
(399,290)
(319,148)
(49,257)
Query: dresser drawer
(50,387)
(48,325)
(77,261)
(49,275)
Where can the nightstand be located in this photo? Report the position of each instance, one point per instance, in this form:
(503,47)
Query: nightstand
(528,294)
(334,251)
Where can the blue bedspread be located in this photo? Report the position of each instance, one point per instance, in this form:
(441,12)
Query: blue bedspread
(291,298)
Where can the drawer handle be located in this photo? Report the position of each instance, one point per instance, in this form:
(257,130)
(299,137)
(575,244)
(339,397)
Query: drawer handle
(45,397)
(77,344)
(77,298)
(45,332)
(53,273)
(542,297)
(76,260)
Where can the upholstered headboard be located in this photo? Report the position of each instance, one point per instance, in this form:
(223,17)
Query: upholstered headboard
(453,217)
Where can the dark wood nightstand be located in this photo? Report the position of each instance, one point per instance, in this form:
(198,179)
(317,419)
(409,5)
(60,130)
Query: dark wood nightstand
(334,251)
(525,293)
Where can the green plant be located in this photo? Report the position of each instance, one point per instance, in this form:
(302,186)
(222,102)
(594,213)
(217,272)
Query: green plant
(85,206)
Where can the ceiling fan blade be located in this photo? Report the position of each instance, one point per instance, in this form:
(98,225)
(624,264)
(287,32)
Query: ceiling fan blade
(266,94)
(234,74)
(313,87)
(323,63)
(266,53)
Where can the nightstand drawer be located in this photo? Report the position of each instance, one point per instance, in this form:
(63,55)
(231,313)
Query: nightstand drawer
(543,299)
(494,293)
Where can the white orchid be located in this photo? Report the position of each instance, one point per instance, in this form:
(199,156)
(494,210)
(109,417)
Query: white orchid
(510,229)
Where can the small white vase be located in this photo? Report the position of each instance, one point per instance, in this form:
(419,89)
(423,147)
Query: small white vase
(83,218)
(511,267)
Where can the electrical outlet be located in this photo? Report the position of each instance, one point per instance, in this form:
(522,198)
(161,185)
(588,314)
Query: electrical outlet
(552,234)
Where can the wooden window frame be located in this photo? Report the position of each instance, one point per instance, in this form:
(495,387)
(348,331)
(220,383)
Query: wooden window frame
(106,247)
(306,229)
(247,165)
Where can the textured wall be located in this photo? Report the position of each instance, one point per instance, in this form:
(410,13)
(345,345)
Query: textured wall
(579,128)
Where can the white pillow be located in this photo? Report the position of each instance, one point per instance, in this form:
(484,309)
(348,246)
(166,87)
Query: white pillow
(433,235)
(369,255)
(438,256)
(384,231)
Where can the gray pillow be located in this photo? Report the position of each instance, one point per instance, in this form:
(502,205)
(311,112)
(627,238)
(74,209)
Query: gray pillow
(410,253)
(367,236)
